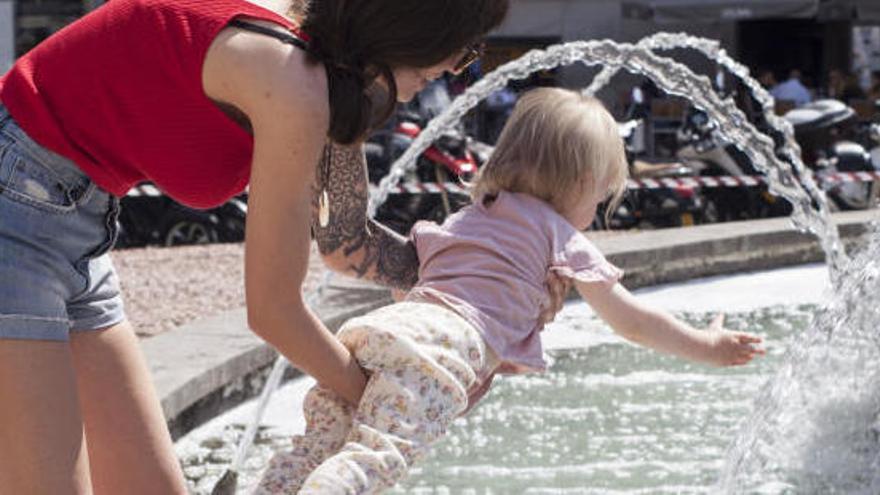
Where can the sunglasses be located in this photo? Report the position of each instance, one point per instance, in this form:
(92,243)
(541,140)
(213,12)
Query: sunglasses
(472,52)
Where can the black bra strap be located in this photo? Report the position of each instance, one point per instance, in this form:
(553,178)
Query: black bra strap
(287,37)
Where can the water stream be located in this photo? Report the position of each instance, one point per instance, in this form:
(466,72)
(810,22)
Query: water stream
(815,426)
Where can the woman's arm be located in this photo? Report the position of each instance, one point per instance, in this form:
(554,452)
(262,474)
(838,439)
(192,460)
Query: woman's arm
(284,98)
(351,243)
(661,331)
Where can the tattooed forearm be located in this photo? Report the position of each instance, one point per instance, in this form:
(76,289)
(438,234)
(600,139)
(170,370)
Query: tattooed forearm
(350,242)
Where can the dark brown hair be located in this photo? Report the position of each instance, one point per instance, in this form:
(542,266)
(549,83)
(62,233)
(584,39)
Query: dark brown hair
(360,40)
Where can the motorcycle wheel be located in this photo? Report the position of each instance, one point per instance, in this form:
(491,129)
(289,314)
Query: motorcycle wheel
(859,196)
(234,229)
(190,232)
(123,238)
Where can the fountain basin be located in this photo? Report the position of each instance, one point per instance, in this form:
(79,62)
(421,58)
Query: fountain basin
(607,416)
(209,366)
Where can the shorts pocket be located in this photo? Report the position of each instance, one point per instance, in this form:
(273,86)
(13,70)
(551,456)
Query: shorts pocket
(30,182)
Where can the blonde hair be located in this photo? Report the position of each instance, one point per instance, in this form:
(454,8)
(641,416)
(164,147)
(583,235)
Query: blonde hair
(557,146)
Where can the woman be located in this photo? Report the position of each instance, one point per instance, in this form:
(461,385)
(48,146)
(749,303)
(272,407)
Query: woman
(201,98)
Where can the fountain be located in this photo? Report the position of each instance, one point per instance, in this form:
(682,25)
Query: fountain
(833,363)
(815,427)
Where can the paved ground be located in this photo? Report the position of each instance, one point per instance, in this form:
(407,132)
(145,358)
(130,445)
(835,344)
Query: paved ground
(166,288)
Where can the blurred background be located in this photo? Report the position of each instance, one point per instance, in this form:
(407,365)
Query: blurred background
(819,59)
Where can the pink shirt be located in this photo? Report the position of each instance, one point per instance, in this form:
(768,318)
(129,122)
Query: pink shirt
(490,263)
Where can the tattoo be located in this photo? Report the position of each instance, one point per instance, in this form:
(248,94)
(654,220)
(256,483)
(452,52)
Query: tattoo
(370,250)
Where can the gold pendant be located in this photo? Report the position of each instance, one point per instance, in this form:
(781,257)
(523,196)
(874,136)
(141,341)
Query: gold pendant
(324,209)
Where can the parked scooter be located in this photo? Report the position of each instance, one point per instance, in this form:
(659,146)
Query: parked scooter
(832,140)
(452,158)
(677,206)
(706,155)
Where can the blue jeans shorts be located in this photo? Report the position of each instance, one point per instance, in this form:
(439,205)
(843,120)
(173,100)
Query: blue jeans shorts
(56,227)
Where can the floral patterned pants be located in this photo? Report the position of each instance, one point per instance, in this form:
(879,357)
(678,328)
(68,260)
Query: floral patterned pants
(422,359)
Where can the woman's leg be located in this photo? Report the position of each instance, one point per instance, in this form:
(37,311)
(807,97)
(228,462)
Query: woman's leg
(41,431)
(130,449)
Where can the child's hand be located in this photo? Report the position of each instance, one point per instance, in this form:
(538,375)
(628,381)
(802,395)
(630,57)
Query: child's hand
(732,348)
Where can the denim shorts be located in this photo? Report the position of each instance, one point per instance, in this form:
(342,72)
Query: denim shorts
(56,227)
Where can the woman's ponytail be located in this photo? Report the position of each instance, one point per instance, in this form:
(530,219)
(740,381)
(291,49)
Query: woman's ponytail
(357,102)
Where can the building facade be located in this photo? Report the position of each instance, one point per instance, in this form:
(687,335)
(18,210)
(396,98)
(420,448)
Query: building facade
(812,36)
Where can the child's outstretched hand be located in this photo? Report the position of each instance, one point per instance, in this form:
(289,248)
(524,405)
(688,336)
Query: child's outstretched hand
(732,348)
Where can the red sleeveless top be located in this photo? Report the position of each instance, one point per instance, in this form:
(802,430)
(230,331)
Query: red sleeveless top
(119,92)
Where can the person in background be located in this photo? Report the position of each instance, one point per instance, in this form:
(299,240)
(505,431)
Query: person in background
(498,107)
(844,86)
(792,89)
(475,311)
(767,79)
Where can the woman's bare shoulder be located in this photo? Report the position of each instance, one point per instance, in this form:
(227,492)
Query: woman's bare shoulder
(264,77)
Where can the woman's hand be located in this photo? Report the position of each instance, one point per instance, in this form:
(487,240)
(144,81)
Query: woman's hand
(398,294)
(357,382)
(559,287)
(732,348)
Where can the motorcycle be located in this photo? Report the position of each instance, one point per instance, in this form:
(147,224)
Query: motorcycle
(832,140)
(701,151)
(676,205)
(454,157)
(147,217)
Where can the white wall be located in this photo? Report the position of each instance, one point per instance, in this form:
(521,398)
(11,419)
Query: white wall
(7,35)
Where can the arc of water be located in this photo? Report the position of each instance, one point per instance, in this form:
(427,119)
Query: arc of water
(791,151)
(674,78)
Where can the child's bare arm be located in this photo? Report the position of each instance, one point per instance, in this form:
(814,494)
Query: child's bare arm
(661,331)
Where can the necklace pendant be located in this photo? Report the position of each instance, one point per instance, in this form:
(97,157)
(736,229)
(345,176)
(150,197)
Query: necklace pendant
(324,209)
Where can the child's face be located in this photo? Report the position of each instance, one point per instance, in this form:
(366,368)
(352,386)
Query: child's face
(583,210)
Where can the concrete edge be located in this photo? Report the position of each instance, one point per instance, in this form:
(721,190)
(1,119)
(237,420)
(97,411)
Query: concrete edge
(208,366)
(216,363)
(673,255)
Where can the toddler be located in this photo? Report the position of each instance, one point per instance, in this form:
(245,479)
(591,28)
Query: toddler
(476,309)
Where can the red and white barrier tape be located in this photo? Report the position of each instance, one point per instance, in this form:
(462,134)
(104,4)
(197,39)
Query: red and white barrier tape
(665,182)
(660,183)
(744,180)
